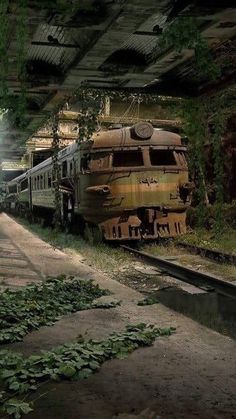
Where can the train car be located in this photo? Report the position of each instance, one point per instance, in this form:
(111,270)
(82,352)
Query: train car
(17,194)
(42,184)
(128,184)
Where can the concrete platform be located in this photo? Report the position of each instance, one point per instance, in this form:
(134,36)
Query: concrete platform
(191,374)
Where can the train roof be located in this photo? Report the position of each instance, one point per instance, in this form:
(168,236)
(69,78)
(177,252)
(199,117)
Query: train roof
(41,165)
(141,134)
(62,153)
(17,179)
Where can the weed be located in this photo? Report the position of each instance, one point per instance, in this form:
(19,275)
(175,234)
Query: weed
(19,375)
(42,304)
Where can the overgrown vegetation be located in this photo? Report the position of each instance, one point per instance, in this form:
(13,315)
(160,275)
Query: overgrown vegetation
(204,118)
(194,113)
(226,242)
(20,376)
(36,305)
(21,36)
(99,256)
(228,213)
(202,238)
(4,55)
(205,125)
(183,33)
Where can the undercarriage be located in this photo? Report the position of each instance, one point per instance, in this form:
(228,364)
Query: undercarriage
(145,223)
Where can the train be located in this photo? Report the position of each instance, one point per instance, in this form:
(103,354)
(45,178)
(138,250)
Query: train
(129,183)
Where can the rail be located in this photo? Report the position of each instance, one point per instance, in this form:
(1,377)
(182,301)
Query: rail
(200,279)
(216,255)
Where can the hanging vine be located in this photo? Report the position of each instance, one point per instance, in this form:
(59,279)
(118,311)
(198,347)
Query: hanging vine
(21,37)
(90,107)
(194,114)
(3,54)
(17,107)
(184,33)
(218,121)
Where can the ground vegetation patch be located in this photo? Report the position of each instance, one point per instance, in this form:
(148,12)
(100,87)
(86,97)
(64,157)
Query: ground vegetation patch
(21,376)
(36,305)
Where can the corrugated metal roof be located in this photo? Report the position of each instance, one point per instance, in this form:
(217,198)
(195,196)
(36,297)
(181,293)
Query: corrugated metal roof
(146,44)
(59,56)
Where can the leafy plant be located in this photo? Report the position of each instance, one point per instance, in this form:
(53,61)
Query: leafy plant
(19,375)
(205,121)
(4,93)
(195,127)
(218,121)
(42,304)
(21,37)
(148,301)
(183,33)
(104,304)
(91,105)
(16,408)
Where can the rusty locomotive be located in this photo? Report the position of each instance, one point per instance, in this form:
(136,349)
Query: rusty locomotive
(129,183)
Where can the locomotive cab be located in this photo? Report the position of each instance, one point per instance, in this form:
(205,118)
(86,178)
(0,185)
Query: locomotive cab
(133,183)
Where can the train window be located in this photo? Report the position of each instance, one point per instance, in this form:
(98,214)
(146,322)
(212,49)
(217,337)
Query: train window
(13,189)
(24,185)
(99,161)
(45,180)
(71,168)
(49,180)
(162,158)
(85,160)
(128,158)
(64,169)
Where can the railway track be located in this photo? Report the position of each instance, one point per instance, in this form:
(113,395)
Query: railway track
(215,255)
(199,279)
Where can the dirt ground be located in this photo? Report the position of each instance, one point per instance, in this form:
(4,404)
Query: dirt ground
(191,374)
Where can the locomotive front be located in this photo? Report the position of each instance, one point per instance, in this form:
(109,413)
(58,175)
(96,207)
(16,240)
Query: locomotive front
(134,183)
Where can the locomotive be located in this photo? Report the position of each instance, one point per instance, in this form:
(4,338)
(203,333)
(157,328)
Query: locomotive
(129,183)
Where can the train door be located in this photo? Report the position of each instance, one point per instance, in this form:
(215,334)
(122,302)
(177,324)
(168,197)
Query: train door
(68,207)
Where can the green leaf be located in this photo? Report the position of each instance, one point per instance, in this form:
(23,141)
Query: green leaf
(14,385)
(67,370)
(84,373)
(7,373)
(17,408)
(25,408)
(94,365)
